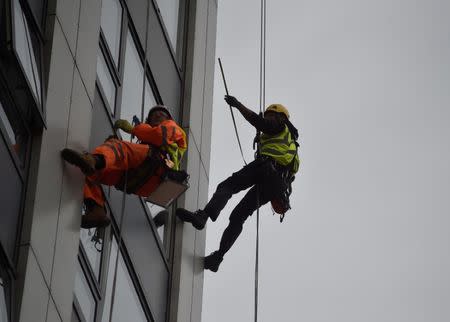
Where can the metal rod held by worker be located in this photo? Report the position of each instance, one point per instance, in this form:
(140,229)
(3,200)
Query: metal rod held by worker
(232,115)
(223,77)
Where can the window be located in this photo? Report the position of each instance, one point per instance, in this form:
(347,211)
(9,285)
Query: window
(150,100)
(84,296)
(28,55)
(132,83)
(17,136)
(37,8)
(111,22)
(126,306)
(106,81)
(160,217)
(92,245)
(169,11)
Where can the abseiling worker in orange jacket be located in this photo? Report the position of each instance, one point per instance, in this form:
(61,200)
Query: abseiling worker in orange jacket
(163,143)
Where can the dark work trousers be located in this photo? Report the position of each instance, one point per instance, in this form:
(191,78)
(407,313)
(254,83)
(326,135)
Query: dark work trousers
(266,183)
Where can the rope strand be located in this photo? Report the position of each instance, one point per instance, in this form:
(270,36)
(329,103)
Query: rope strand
(262,103)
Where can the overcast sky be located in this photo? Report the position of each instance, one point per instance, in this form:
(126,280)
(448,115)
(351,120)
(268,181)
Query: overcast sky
(368,85)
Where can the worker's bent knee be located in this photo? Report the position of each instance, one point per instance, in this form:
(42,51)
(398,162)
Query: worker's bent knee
(238,218)
(224,188)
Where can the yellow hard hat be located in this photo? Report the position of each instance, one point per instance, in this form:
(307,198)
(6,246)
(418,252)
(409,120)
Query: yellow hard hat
(278,108)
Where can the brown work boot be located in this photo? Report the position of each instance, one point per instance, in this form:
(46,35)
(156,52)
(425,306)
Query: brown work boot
(95,217)
(85,161)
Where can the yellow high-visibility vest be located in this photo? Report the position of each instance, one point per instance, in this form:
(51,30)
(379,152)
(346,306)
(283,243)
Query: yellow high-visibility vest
(281,147)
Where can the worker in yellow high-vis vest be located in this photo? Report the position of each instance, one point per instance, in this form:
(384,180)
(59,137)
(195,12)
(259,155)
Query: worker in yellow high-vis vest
(269,176)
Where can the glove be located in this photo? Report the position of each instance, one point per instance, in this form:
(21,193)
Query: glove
(124,125)
(136,120)
(232,101)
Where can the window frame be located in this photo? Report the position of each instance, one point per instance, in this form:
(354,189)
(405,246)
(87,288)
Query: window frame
(22,171)
(165,244)
(30,107)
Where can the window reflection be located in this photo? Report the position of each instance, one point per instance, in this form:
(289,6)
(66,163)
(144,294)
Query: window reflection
(132,84)
(84,295)
(25,50)
(169,12)
(15,131)
(106,81)
(126,306)
(150,100)
(111,22)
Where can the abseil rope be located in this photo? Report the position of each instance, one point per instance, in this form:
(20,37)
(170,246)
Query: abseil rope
(262,103)
(232,114)
(124,194)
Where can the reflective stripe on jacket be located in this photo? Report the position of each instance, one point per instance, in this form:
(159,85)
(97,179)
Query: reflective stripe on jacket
(281,147)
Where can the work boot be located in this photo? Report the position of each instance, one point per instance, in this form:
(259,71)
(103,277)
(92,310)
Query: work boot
(213,261)
(161,218)
(95,217)
(85,161)
(198,219)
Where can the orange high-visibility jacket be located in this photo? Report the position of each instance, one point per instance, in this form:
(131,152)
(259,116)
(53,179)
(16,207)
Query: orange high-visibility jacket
(121,156)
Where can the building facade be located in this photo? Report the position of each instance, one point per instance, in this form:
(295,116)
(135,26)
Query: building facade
(68,70)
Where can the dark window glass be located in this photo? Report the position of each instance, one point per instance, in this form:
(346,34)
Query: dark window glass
(37,8)
(9,200)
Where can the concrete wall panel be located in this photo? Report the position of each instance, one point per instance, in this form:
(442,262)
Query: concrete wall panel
(210,67)
(68,235)
(35,296)
(48,192)
(52,314)
(87,45)
(68,12)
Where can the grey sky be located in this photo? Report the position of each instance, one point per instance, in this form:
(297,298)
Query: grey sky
(368,86)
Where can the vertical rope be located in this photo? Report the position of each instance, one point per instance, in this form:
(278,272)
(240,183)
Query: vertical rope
(262,103)
(119,243)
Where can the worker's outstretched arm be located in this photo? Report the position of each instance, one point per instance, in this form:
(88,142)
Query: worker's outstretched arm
(269,126)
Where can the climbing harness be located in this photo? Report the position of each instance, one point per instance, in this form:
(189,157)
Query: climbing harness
(124,194)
